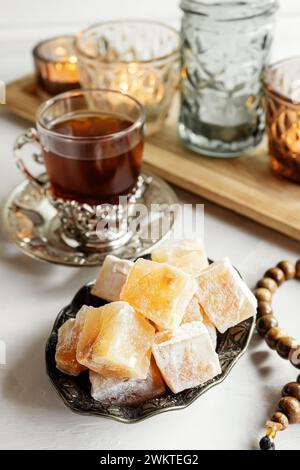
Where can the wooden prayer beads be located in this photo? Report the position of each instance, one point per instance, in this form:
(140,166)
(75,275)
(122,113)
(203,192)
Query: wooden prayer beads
(292,389)
(294,357)
(267,325)
(263,294)
(264,308)
(277,275)
(288,410)
(288,268)
(268,283)
(285,345)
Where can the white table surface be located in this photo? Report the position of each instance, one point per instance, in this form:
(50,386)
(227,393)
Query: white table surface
(231,415)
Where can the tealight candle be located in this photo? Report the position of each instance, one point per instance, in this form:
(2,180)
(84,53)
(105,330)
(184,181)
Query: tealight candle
(56,65)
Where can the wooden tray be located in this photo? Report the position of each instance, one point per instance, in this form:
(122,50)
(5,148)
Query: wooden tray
(244,185)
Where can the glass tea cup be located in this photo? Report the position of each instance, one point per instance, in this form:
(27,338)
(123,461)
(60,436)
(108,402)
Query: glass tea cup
(91,145)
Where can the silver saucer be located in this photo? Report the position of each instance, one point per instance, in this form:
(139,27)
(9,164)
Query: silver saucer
(32,223)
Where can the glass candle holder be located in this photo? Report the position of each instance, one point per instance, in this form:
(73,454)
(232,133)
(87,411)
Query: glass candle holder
(282,96)
(225,50)
(136,57)
(56,65)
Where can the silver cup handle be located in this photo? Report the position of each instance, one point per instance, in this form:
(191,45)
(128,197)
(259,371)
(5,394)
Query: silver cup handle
(29,137)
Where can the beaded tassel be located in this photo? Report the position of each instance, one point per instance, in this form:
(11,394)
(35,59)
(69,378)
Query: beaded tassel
(288,413)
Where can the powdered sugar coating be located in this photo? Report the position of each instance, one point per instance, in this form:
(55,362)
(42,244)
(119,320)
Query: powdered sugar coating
(159,292)
(185,356)
(212,331)
(65,356)
(127,392)
(193,311)
(188,255)
(111,278)
(224,296)
(116,341)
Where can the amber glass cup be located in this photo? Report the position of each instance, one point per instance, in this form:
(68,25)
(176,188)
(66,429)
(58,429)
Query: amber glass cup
(91,145)
(282,99)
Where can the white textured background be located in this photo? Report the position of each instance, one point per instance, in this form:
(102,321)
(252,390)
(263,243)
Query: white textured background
(23,23)
(231,415)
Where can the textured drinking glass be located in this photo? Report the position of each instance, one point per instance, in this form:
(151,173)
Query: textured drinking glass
(282,93)
(136,57)
(225,49)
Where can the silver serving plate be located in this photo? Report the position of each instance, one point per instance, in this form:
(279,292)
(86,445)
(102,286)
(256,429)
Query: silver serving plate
(76,391)
(32,223)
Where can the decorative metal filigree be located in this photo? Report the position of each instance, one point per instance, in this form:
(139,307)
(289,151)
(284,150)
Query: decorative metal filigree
(35,226)
(104,225)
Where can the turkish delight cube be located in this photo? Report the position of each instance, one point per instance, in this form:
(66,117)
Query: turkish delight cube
(111,278)
(116,341)
(160,292)
(65,355)
(188,255)
(186,357)
(211,330)
(193,311)
(128,392)
(224,296)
